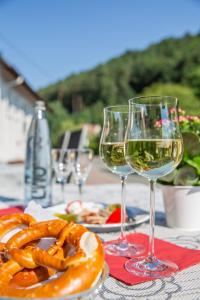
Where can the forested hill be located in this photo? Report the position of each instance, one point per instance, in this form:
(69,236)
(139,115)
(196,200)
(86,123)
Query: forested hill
(170,67)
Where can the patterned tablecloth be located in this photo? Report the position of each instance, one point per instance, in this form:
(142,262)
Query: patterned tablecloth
(185,285)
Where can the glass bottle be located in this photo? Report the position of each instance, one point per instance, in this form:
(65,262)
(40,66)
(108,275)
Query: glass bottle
(38,170)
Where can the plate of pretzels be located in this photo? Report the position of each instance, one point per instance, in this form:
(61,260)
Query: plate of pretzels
(48,259)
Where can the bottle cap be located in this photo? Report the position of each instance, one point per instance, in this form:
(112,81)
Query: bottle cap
(40,105)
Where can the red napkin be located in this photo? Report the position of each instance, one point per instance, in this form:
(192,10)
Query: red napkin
(183,257)
(11,210)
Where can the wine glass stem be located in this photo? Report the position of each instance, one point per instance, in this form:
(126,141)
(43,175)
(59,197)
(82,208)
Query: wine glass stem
(152,218)
(123,208)
(80,186)
(63,191)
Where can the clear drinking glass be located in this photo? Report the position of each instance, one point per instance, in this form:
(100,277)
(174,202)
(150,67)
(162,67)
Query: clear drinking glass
(62,166)
(111,151)
(82,164)
(153,148)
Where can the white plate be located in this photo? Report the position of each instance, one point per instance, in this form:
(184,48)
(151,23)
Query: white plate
(137,216)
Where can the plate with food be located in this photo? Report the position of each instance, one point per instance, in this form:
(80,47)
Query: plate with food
(99,216)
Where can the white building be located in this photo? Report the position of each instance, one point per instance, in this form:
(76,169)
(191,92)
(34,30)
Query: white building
(16,109)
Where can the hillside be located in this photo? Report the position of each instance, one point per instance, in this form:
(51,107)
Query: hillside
(170,67)
(174,61)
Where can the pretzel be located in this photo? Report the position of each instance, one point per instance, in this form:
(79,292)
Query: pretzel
(9,222)
(42,229)
(39,230)
(80,270)
(29,277)
(24,237)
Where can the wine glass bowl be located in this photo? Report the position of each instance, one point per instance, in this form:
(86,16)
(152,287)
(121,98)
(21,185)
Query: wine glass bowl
(62,171)
(154,144)
(112,153)
(82,164)
(62,166)
(112,139)
(153,148)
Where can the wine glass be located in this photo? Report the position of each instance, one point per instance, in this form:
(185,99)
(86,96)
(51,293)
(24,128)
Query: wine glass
(153,148)
(63,166)
(111,151)
(82,164)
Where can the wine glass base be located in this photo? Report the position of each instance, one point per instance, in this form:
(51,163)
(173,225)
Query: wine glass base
(151,267)
(123,249)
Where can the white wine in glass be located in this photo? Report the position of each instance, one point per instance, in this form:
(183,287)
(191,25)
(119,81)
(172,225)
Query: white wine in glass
(153,147)
(113,156)
(112,153)
(154,157)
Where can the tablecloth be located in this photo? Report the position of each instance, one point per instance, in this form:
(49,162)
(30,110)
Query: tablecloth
(185,285)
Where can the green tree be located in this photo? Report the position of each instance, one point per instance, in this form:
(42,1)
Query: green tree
(187,100)
(59,121)
(170,67)
(192,78)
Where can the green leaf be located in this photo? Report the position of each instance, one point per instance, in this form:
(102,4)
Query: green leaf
(66,217)
(113,207)
(195,162)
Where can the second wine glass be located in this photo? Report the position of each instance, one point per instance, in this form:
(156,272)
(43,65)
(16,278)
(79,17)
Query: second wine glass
(111,151)
(154,148)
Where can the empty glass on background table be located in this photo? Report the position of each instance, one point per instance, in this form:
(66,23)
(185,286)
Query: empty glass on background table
(62,166)
(82,164)
(111,151)
(153,148)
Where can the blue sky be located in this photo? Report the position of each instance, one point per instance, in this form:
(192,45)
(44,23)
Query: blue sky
(46,40)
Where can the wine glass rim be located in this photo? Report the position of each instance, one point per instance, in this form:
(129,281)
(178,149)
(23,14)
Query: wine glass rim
(116,108)
(170,99)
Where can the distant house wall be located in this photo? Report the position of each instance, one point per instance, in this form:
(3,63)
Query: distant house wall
(15,117)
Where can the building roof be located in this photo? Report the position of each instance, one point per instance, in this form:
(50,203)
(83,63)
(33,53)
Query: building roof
(9,74)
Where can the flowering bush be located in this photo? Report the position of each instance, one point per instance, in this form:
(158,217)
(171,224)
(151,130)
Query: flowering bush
(188,171)
(190,124)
